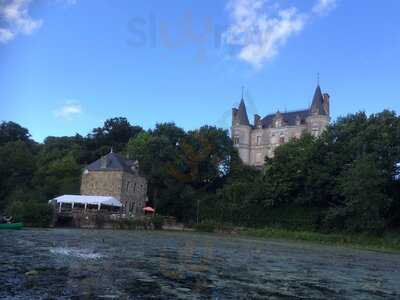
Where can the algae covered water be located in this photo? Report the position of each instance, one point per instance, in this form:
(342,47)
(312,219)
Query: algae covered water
(101,264)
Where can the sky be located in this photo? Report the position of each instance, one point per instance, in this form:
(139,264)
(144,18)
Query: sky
(68,65)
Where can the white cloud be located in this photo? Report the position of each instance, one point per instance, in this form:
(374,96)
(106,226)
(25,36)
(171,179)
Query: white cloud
(5,35)
(259,28)
(323,7)
(68,111)
(15,19)
(67,2)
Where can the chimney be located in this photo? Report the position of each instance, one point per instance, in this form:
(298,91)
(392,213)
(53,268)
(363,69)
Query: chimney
(234,116)
(257,121)
(326,103)
(104,162)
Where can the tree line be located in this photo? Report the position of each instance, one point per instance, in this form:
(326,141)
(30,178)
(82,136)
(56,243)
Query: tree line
(348,179)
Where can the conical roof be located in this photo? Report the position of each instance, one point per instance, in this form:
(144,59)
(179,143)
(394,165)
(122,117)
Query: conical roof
(317,105)
(242,114)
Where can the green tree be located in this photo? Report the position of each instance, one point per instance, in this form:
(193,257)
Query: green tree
(59,176)
(12,132)
(115,133)
(17,167)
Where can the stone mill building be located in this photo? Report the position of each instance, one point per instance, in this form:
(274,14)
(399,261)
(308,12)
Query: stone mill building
(113,175)
(260,139)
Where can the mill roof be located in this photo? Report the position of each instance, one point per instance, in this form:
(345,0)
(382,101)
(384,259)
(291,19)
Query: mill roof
(112,162)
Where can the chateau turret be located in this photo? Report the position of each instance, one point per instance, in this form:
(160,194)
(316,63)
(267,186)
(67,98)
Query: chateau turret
(241,130)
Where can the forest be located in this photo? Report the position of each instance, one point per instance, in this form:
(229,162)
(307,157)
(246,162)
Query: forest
(347,180)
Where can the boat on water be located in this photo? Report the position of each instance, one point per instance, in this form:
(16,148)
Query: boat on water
(11,226)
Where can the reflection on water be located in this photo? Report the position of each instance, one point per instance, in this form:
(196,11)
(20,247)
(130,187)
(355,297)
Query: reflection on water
(76,253)
(90,264)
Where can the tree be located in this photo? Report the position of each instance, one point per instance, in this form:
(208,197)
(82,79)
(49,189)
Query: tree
(115,134)
(59,176)
(155,153)
(366,202)
(12,132)
(17,167)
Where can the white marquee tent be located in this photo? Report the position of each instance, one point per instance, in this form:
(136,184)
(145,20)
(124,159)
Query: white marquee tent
(87,200)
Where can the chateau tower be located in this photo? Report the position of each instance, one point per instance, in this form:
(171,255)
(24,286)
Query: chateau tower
(260,139)
(241,130)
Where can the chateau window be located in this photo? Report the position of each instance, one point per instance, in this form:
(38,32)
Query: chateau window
(258,140)
(315,130)
(259,157)
(236,140)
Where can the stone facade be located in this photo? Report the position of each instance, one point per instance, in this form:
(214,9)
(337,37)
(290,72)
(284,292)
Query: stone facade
(260,139)
(112,175)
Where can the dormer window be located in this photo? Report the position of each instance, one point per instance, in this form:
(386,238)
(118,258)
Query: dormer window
(103,162)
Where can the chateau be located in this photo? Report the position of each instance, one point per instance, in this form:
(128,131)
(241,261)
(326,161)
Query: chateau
(113,175)
(260,139)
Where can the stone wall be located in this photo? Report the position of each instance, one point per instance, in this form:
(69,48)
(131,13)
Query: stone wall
(134,193)
(98,183)
(130,189)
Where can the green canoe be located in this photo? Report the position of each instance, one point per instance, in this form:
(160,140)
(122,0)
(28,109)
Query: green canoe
(14,226)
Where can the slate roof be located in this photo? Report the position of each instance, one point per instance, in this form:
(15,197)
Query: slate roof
(242,114)
(317,105)
(288,117)
(112,162)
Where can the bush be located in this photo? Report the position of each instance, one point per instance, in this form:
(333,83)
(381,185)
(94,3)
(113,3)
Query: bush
(158,222)
(206,226)
(32,213)
(132,224)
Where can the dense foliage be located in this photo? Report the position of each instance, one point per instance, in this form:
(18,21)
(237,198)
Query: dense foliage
(346,180)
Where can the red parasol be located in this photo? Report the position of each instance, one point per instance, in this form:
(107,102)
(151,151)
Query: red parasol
(149,209)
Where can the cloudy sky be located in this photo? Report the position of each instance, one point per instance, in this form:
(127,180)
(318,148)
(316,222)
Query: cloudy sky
(68,65)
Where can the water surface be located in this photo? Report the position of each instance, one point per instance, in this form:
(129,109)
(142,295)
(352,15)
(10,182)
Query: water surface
(102,264)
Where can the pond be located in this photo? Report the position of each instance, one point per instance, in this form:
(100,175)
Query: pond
(106,264)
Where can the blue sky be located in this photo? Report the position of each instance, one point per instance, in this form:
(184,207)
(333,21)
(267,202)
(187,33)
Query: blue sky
(68,65)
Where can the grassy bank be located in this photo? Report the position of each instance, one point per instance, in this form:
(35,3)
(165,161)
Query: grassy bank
(388,242)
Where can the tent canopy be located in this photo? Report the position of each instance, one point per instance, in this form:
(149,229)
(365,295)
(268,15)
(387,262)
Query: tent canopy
(95,200)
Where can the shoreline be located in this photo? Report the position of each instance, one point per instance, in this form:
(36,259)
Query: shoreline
(388,243)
